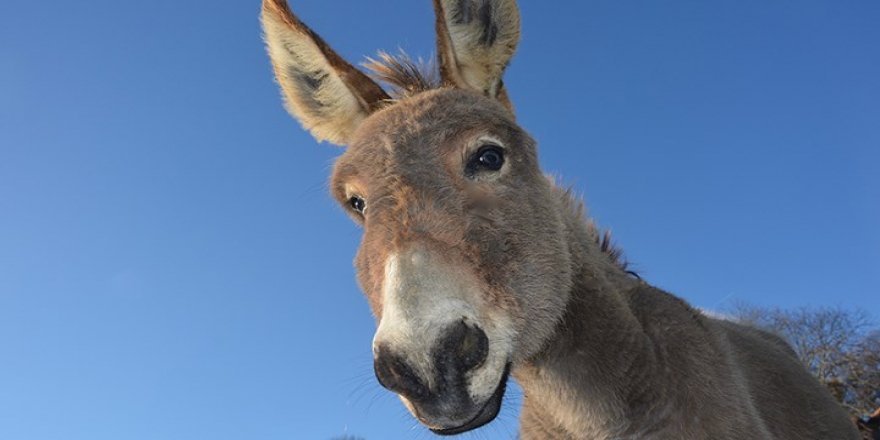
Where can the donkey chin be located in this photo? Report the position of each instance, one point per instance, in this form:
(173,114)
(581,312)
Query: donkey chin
(439,346)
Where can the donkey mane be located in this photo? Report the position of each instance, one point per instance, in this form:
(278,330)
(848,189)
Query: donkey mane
(575,204)
(403,75)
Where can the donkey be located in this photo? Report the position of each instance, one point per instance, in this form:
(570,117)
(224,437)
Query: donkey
(478,267)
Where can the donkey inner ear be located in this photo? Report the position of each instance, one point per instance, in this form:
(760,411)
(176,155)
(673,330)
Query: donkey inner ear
(475,41)
(329,96)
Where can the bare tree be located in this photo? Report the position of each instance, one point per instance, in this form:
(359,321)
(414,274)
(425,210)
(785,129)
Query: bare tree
(863,373)
(840,347)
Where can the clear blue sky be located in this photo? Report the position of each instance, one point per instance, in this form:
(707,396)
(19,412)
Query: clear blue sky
(172,267)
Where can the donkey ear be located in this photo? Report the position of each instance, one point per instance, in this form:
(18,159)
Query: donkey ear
(475,41)
(329,96)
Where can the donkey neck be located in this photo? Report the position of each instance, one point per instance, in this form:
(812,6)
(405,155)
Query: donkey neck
(600,367)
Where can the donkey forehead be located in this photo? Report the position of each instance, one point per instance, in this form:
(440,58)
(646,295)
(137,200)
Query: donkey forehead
(432,120)
(414,135)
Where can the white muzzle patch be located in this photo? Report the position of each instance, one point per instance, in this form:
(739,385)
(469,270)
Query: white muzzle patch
(422,296)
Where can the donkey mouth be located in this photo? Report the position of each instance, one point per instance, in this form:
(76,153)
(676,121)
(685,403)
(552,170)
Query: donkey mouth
(486,414)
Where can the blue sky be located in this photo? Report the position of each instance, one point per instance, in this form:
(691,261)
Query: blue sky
(172,267)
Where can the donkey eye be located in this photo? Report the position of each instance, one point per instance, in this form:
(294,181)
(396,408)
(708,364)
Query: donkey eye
(488,157)
(491,157)
(358,204)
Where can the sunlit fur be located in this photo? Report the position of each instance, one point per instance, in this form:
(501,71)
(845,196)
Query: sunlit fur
(324,92)
(599,353)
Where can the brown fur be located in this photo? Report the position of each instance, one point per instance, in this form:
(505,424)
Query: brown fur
(313,77)
(599,353)
(406,76)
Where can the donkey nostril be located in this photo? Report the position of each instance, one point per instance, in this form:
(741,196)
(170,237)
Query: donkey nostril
(393,373)
(473,347)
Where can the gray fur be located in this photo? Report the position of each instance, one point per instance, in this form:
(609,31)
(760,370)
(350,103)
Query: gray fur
(599,353)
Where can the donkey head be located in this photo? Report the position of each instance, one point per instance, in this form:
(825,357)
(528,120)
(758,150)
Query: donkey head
(464,258)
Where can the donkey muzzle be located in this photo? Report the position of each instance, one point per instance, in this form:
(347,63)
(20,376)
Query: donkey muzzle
(442,401)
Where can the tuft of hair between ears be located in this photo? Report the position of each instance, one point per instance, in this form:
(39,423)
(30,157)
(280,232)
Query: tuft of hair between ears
(404,76)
